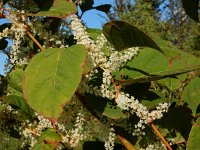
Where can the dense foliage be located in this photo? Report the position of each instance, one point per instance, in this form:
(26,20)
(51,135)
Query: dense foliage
(71,87)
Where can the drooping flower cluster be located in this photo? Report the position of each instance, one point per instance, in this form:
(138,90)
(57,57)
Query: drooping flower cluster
(127,103)
(34,129)
(17,35)
(99,59)
(74,136)
(109,143)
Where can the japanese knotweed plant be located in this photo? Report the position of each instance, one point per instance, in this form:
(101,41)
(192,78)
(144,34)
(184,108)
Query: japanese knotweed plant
(71,82)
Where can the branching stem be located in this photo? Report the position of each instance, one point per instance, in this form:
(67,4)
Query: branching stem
(28,33)
(126,143)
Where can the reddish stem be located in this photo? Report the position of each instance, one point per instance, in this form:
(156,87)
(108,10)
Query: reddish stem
(160,136)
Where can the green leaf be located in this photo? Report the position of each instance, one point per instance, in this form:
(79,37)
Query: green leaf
(191,94)
(102,106)
(20,102)
(48,140)
(3,85)
(105,8)
(174,82)
(178,118)
(191,8)
(5,25)
(94,33)
(177,59)
(194,136)
(6,1)
(112,111)
(86,5)
(51,78)
(123,35)
(152,99)
(138,90)
(151,65)
(56,8)
(15,79)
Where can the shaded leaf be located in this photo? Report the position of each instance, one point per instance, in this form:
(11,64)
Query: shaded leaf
(123,35)
(6,1)
(174,82)
(191,8)
(86,5)
(105,8)
(173,122)
(3,85)
(112,111)
(5,25)
(48,140)
(138,90)
(55,8)
(15,79)
(194,136)
(152,99)
(102,106)
(191,94)
(3,43)
(51,78)
(20,102)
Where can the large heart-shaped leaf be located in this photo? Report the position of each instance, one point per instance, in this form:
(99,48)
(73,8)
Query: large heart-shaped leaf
(194,136)
(55,8)
(123,35)
(51,78)
(150,65)
(191,94)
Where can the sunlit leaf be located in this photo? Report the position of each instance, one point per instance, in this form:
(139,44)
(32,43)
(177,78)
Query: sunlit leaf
(15,79)
(191,94)
(51,78)
(194,136)
(55,8)
(48,140)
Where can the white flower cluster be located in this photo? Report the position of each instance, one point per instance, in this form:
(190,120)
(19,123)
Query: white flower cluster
(35,129)
(99,59)
(127,103)
(19,34)
(54,42)
(79,1)
(155,146)
(74,136)
(109,143)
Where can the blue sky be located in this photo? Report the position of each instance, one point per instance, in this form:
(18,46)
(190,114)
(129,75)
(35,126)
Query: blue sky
(91,18)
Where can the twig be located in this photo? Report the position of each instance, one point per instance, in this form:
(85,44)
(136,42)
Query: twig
(160,136)
(126,143)
(28,33)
